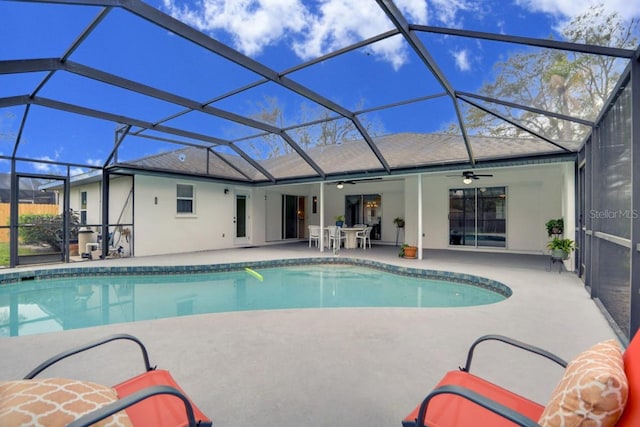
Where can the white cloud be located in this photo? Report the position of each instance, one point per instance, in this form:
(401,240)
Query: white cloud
(336,26)
(253,24)
(571,8)
(44,167)
(311,28)
(446,11)
(462,60)
(95,162)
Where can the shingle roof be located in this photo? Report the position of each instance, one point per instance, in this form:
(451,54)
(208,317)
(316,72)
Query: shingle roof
(403,150)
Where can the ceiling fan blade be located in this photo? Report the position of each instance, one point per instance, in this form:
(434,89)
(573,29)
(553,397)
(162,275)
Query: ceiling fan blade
(368,179)
(353,181)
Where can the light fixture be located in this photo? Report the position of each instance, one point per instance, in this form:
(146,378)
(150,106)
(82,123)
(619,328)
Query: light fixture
(467,180)
(340,186)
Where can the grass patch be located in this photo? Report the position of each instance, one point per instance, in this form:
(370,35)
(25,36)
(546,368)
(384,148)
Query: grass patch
(4,252)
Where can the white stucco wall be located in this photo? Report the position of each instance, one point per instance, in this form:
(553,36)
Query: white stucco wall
(120,204)
(120,208)
(160,230)
(534,195)
(392,193)
(94,201)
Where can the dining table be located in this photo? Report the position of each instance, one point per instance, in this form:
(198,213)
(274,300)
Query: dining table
(350,240)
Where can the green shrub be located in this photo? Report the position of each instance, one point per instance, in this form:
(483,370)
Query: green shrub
(46,228)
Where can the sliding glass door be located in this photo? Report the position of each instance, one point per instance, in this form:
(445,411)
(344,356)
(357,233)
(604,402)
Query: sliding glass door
(364,209)
(293,216)
(477,217)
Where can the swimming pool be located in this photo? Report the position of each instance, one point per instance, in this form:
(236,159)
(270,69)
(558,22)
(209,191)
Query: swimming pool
(60,299)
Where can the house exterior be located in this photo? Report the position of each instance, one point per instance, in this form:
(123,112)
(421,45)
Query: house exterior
(181,213)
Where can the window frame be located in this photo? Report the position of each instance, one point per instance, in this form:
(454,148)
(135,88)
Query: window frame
(83,207)
(182,198)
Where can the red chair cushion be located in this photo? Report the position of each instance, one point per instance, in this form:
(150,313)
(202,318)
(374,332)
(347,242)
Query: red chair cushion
(449,410)
(160,410)
(631,415)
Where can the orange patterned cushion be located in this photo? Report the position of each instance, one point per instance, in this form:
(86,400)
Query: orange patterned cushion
(54,402)
(592,392)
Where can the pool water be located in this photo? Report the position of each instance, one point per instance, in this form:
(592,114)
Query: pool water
(39,306)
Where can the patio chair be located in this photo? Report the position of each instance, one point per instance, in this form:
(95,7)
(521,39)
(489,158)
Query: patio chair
(363,237)
(152,398)
(335,237)
(314,235)
(600,384)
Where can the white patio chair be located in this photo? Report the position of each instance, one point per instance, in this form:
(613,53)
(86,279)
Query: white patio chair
(314,235)
(335,237)
(364,236)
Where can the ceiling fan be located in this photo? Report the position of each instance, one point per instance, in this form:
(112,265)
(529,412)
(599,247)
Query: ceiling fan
(469,176)
(340,184)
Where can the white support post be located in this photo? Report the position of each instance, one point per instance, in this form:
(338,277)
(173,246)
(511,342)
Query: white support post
(419,216)
(321,216)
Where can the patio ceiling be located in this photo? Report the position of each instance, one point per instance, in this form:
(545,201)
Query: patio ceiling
(120,84)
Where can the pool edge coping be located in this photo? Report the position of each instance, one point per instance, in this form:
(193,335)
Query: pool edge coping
(55,273)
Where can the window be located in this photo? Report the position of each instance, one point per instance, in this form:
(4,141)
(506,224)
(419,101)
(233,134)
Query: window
(477,216)
(184,193)
(83,207)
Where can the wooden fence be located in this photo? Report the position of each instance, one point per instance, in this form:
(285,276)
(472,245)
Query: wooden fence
(24,208)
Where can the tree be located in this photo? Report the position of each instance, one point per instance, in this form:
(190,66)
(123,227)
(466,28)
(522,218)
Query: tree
(568,83)
(325,130)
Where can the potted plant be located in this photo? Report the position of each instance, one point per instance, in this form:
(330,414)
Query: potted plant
(561,248)
(408,251)
(399,222)
(340,220)
(555,226)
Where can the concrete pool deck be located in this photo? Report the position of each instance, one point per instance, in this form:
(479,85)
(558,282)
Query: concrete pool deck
(338,367)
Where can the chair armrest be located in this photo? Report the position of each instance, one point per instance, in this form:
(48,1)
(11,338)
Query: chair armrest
(132,399)
(60,356)
(515,343)
(478,399)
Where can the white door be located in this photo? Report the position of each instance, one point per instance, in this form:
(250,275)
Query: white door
(241,219)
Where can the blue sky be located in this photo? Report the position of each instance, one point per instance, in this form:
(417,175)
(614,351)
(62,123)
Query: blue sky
(278,33)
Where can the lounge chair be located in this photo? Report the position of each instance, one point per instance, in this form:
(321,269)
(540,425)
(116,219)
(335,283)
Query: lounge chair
(152,398)
(600,384)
